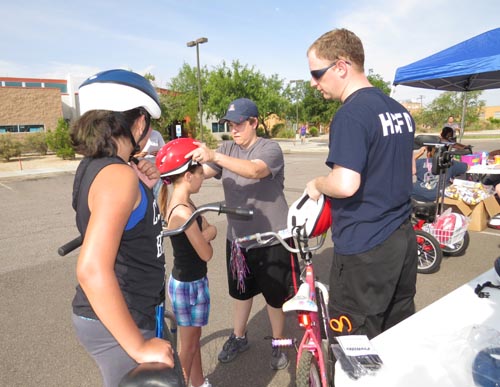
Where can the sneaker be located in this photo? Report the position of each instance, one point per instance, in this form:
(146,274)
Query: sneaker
(206,383)
(232,347)
(279,360)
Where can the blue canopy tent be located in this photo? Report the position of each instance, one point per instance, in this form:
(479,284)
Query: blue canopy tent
(471,65)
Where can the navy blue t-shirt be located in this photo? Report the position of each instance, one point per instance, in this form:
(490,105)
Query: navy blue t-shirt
(371,134)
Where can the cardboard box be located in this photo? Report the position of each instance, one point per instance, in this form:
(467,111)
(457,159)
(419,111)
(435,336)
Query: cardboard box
(472,159)
(478,214)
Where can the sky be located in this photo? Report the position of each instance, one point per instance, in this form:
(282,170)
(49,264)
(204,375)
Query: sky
(60,38)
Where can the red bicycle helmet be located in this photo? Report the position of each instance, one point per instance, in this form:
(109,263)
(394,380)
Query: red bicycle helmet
(315,216)
(171,160)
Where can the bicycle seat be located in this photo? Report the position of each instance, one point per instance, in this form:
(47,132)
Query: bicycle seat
(423,210)
(152,374)
(301,301)
(421,204)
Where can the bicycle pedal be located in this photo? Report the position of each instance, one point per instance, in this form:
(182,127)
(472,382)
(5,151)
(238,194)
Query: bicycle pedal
(281,343)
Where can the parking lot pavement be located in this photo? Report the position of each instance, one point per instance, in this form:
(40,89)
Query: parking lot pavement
(38,344)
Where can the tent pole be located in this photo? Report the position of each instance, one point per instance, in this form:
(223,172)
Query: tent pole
(462,123)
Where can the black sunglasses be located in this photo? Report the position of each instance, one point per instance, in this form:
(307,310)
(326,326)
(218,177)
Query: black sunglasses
(318,74)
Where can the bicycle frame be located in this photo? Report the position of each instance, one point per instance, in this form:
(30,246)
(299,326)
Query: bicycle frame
(310,321)
(307,306)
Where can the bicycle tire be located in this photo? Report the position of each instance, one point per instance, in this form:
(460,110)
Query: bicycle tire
(459,248)
(307,373)
(429,251)
(321,304)
(328,356)
(170,331)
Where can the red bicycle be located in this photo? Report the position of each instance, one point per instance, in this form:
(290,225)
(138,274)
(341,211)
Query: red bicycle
(314,361)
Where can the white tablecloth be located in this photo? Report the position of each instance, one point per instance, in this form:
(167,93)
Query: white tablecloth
(484,169)
(432,347)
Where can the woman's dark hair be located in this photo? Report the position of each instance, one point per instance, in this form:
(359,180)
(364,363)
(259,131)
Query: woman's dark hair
(94,133)
(446,132)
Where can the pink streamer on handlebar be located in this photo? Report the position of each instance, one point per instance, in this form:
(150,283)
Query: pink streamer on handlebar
(238,266)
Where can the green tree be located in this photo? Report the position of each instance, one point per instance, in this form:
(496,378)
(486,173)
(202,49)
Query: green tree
(59,140)
(10,146)
(226,83)
(182,102)
(377,81)
(450,103)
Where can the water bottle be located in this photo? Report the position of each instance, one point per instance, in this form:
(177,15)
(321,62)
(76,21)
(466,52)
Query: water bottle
(484,158)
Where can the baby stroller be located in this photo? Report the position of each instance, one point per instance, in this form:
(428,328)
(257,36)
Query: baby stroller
(433,240)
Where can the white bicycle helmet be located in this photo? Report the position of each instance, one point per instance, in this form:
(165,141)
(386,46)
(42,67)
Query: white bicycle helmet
(314,216)
(118,90)
(494,222)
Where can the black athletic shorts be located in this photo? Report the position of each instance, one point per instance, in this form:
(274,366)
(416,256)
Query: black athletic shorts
(273,271)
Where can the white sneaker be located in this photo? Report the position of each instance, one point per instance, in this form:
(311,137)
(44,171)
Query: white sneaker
(206,383)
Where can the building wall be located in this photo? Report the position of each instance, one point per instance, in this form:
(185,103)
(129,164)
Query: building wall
(27,106)
(490,112)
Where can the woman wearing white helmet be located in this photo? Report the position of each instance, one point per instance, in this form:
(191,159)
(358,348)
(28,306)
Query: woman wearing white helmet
(120,269)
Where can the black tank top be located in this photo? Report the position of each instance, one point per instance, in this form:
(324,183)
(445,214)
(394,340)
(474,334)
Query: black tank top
(188,266)
(140,263)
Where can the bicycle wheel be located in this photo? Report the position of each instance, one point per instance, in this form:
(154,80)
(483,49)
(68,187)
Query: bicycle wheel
(307,374)
(328,357)
(458,248)
(429,251)
(170,328)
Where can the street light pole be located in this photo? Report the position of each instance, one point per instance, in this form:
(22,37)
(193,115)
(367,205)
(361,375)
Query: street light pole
(297,81)
(197,43)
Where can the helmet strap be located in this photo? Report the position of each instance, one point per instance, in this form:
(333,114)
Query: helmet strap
(135,144)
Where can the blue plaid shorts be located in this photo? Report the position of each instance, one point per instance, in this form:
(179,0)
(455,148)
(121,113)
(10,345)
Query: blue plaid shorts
(190,301)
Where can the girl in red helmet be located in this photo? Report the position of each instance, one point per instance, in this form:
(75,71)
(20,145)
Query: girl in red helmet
(188,283)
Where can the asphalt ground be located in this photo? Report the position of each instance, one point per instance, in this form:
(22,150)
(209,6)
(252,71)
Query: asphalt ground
(38,346)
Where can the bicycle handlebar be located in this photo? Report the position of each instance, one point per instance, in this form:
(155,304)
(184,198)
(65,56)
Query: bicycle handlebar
(219,207)
(70,246)
(266,237)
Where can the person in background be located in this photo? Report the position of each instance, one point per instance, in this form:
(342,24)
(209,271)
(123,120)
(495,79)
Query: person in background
(149,151)
(448,135)
(450,123)
(121,267)
(252,172)
(153,145)
(425,186)
(374,269)
(188,283)
(303,133)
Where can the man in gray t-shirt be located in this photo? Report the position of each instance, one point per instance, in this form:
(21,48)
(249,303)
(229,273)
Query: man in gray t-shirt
(252,173)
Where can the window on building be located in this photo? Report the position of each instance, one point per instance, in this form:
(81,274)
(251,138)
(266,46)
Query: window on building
(496,115)
(218,128)
(61,86)
(22,128)
(13,84)
(33,84)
